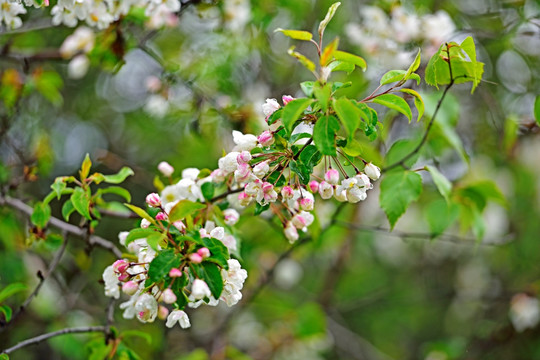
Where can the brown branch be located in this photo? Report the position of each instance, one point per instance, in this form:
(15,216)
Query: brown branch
(92,240)
(43,337)
(52,266)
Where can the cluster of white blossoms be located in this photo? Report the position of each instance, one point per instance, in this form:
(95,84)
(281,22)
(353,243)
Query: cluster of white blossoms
(75,47)
(96,13)
(387,37)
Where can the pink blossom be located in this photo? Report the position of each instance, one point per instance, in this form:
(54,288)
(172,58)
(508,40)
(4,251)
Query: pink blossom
(313,186)
(195,258)
(203,252)
(266,138)
(153,200)
(286,99)
(332,176)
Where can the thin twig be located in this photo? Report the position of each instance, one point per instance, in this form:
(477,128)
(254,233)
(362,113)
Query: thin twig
(456,239)
(43,337)
(52,266)
(64,226)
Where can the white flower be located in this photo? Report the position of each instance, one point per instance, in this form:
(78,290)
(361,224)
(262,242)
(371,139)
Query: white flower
(156,105)
(326,190)
(146,308)
(524,312)
(372,171)
(78,67)
(244,142)
(302,220)
(261,169)
(200,290)
(190,173)
(270,106)
(231,216)
(228,163)
(112,289)
(233,282)
(230,242)
(290,232)
(218,233)
(165,168)
(8,13)
(81,41)
(178,316)
(438,27)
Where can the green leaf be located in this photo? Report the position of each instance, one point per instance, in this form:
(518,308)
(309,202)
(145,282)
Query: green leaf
(207,190)
(310,157)
(162,264)
(296,34)
(85,167)
(338,65)
(137,333)
(350,58)
(293,111)
(322,93)
(307,88)
(414,66)
(138,233)
(349,114)
(49,83)
(260,208)
(399,150)
(537,109)
(67,210)
(324,134)
(353,148)
(117,190)
(184,208)
(219,253)
(211,274)
(394,102)
(443,185)
(398,190)
(58,186)
(418,102)
(116,178)
(481,191)
(328,52)
(41,215)
(6,310)
(4,357)
(301,170)
(143,214)
(81,202)
(440,215)
(327,18)
(392,76)
(155,239)
(302,59)
(11,290)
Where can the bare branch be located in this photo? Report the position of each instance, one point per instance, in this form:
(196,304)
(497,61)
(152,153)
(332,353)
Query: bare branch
(41,338)
(64,226)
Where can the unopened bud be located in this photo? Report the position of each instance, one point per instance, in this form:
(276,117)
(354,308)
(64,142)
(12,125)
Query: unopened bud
(175,272)
(203,252)
(266,138)
(130,288)
(168,296)
(287,192)
(313,186)
(165,168)
(195,258)
(332,176)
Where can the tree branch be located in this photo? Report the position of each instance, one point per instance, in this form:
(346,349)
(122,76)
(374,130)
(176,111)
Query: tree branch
(427,236)
(52,266)
(64,226)
(43,337)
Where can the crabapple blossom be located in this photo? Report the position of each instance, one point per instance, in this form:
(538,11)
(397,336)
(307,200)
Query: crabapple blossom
(174,272)
(231,216)
(326,190)
(165,168)
(269,107)
(332,176)
(163,312)
(266,138)
(313,186)
(130,288)
(244,142)
(287,192)
(146,308)
(111,283)
(195,258)
(372,171)
(261,169)
(286,99)
(178,316)
(203,252)
(290,232)
(153,200)
(244,157)
(200,289)
(168,296)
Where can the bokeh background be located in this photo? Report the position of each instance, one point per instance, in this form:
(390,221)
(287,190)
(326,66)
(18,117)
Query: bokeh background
(358,291)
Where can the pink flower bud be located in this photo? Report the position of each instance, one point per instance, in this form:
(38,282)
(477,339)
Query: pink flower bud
(287,192)
(153,200)
(267,187)
(290,232)
(165,168)
(195,258)
(242,173)
(168,296)
(244,199)
(313,186)
(161,216)
(120,266)
(162,312)
(306,204)
(244,157)
(123,277)
(203,252)
(175,272)
(332,176)
(266,138)
(130,288)
(179,225)
(286,99)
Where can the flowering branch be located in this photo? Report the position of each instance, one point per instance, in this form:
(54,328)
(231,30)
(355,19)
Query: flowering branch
(64,226)
(43,337)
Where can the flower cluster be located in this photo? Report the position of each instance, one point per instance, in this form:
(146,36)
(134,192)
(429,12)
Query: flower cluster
(96,13)
(387,37)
